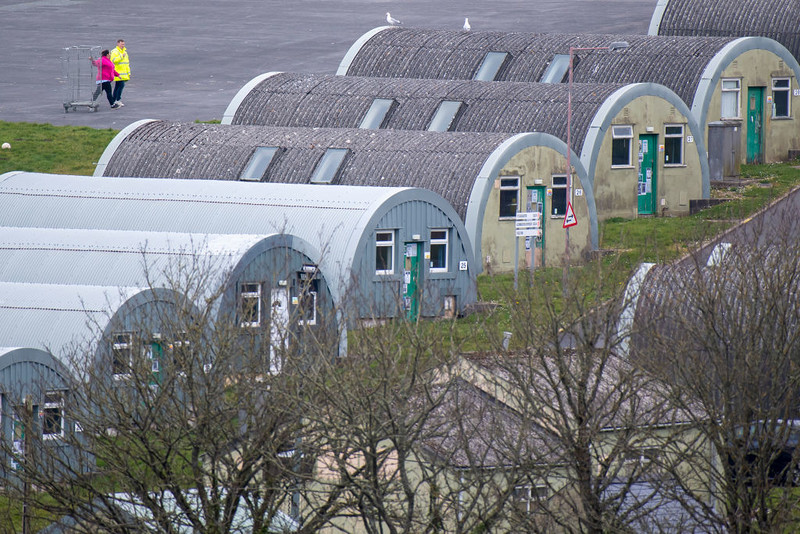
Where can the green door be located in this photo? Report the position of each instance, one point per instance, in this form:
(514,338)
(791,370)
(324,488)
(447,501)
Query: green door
(755,124)
(534,246)
(647,173)
(411,279)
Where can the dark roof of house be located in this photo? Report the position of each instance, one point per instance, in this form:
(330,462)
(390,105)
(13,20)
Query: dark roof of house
(447,163)
(776,19)
(676,62)
(287,99)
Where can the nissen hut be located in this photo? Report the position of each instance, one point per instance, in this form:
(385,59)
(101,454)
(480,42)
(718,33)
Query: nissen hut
(383,252)
(640,145)
(747,83)
(486,177)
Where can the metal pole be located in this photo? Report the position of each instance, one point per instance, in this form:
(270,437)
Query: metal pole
(569,173)
(27,428)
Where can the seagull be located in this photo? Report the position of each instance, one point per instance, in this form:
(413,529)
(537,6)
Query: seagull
(391,20)
(467,27)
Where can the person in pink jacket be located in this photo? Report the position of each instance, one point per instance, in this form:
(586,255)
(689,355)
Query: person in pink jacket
(105,73)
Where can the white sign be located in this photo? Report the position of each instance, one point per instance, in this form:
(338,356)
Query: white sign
(690,139)
(569,218)
(528,232)
(528,216)
(462,265)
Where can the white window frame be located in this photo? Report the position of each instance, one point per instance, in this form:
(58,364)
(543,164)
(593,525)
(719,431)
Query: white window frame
(738,95)
(622,131)
(248,291)
(553,187)
(440,241)
(53,404)
(788,91)
(529,493)
(304,291)
(180,344)
(117,346)
(508,183)
(388,244)
(674,136)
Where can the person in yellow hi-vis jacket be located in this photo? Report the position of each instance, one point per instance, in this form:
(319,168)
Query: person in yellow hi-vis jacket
(119,56)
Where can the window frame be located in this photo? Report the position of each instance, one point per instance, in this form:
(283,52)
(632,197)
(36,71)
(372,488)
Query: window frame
(526,494)
(329,165)
(260,160)
(247,292)
(558,67)
(622,132)
(506,187)
(377,113)
(787,91)
(681,148)
(117,347)
(58,405)
(559,187)
(438,242)
(724,91)
(388,244)
(490,65)
(307,286)
(447,108)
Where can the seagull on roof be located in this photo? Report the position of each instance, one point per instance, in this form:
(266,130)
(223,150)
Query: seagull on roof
(467,27)
(391,20)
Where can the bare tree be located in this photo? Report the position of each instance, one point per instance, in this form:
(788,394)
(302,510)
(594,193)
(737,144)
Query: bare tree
(721,326)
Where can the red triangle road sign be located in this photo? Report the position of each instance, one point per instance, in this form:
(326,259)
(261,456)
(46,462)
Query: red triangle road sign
(569,217)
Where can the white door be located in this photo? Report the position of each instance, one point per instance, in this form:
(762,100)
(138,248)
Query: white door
(278,327)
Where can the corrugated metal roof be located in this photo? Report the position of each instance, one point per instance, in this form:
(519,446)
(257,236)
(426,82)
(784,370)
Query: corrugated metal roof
(312,100)
(444,162)
(331,219)
(57,318)
(776,19)
(115,258)
(675,62)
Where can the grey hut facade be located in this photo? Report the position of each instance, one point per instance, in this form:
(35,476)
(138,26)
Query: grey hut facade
(34,390)
(365,236)
(484,176)
(749,83)
(623,187)
(776,19)
(269,284)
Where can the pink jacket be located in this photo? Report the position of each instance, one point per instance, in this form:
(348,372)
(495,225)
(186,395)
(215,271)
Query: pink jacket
(105,69)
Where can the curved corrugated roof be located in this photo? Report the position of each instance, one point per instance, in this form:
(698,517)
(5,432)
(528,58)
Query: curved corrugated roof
(444,162)
(676,62)
(776,19)
(313,100)
(341,215)
(116,258)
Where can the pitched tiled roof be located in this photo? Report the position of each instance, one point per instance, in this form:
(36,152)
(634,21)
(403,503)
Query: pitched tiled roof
(776,19)
(676,62)
(287,99)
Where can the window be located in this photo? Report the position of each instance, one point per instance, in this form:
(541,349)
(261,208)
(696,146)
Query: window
(439,242)
(376,114)
(53,415)
(673,145)
(445,116)
(262,157)
(328,166)
(558,203)
(181,352)
(384,253)
(250,305)
(731,90)
(556,69)
(491,65)
(307,289)
(621,137)
(780,97)
(121,354)
(509,197)
(526,496)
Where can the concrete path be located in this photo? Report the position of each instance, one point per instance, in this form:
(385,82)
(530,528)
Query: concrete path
(190,57)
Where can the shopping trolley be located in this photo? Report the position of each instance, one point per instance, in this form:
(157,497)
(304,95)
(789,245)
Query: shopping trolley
(80,75)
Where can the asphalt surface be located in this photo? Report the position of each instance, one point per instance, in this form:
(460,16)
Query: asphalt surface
(189,58)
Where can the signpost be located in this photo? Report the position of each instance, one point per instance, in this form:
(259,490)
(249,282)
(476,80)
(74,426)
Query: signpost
(527,224)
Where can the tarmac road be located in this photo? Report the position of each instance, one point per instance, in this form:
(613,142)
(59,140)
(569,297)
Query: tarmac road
(190,57)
